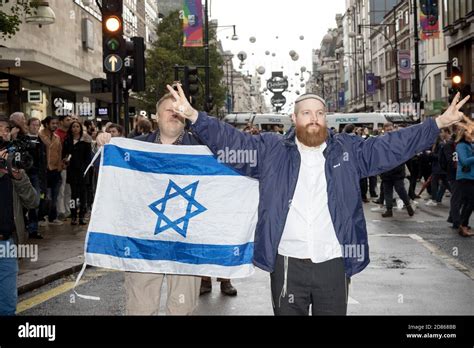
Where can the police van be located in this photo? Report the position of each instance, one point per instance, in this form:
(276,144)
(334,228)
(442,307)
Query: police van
(374,120)
(264,122)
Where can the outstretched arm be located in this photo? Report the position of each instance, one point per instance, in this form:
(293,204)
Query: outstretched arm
(242,151)
(380,154)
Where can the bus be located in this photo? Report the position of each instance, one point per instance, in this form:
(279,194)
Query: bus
(263,122)
(374,120)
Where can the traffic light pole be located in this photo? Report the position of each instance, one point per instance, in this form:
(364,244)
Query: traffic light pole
(416,82)
(206,53)
(126,118)
(115,99)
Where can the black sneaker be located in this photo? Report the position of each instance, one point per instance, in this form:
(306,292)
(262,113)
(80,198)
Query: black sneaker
(74,222)
(410,210)
(388,213)
(82,222)
(228,289)
(206,286)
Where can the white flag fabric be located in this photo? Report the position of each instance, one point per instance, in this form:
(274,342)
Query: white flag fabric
(171,209)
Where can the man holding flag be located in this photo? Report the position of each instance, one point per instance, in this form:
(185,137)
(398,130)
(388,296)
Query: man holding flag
(311,233)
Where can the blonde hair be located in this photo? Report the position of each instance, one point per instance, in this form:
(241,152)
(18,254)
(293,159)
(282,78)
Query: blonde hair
(162,99)
(460,134)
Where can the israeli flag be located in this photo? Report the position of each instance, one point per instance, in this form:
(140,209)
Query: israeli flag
(171,209)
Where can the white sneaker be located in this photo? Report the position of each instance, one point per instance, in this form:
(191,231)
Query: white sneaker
(378,209)
(431,203)
(399,204)
(43,223)
(56,222)
(414,203)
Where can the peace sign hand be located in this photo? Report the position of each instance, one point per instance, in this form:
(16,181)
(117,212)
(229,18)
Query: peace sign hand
(181,105)
(452,115)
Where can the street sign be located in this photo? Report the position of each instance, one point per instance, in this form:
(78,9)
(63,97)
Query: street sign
(113,63)
(278,100)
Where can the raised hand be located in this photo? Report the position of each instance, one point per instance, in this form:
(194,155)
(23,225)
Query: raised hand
(452,115)
(181,105)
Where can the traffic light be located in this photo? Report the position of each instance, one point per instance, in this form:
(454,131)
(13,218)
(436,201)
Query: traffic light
(191,83)
(209,104)
(455,74)
(135,64)
(113,45)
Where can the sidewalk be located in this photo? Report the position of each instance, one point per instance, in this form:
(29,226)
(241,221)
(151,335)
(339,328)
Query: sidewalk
(60,253)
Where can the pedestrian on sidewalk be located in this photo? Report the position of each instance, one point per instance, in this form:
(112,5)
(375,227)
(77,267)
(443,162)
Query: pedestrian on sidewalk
(16,194)
(226,286)
(438,173)
(77,153)
(64,194)
(55,166)
(310,209)
(143,290)
(37,175)
(465,177)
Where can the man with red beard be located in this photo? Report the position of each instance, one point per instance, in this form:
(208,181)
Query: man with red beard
(311,233)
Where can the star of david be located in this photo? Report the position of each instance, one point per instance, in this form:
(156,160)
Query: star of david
(193,208)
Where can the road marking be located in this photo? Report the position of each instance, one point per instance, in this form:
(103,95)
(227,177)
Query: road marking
(45,296)
(445,258)
(353,301)
(60,289)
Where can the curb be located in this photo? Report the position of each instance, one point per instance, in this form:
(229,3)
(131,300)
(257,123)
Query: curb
(39,277)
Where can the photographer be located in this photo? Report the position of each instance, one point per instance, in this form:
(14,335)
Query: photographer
(17,193)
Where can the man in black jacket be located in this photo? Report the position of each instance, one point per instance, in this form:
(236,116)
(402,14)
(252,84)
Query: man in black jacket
(393,179)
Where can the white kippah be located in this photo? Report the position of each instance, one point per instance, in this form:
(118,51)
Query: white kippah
(310,96)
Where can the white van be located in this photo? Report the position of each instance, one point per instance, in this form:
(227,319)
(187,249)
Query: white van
(374,120)
(264,122)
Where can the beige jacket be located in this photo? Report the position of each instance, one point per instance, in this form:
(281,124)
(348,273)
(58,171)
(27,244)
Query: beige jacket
(54,149)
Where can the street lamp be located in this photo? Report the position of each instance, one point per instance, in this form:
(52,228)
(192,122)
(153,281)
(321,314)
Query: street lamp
(394,47)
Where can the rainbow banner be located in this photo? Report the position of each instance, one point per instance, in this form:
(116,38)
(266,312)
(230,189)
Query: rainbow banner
(192,23)
(429,19)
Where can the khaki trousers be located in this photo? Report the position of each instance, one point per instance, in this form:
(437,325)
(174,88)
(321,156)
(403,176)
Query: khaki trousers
(143,292)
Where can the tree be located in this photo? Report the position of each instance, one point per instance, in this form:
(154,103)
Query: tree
(10,22)
(167,52)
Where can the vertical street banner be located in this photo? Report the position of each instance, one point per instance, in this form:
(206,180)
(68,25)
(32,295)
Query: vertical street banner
(429,19)
(404,63)
(171,209)
(192,23)
(370,84)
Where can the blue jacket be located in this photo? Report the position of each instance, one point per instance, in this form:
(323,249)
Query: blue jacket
(465,153)
(348,159)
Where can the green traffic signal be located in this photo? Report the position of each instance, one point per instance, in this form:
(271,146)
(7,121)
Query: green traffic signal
(113,44)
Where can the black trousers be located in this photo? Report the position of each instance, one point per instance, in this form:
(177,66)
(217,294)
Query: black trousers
(399,185)
(456,202)
(467,189)
(324,286)
(78,200)
(371,187)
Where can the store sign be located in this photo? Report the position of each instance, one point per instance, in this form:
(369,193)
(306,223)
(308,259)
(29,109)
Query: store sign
(35,96)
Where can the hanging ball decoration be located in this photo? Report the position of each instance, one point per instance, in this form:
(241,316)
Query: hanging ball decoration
(261,70)
(265,89)
(292,53)
(242,55)
(302,85)
(295,57)
(301,37)
(297,92)
(303,69)
(267,53)
(273,54)
(253,39)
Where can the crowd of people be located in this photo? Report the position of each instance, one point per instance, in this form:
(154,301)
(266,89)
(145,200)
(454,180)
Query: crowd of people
(447,166)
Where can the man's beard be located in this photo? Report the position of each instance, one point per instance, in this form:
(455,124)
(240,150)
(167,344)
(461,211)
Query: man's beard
(311,138)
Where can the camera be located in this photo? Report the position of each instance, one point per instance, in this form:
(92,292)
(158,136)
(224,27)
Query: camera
(19,156)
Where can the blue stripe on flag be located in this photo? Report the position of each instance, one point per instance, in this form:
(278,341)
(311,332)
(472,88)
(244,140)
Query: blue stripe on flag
(164,163)
(198,254)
